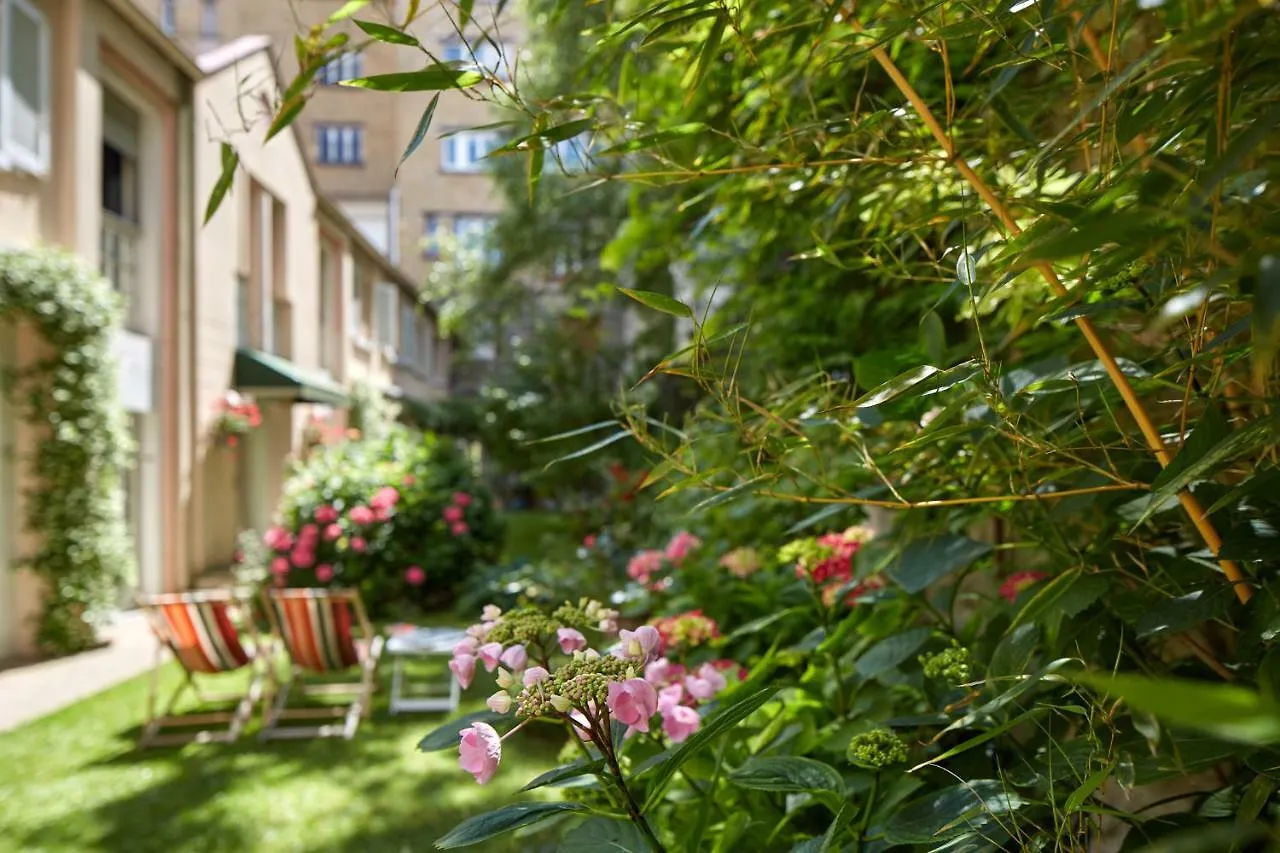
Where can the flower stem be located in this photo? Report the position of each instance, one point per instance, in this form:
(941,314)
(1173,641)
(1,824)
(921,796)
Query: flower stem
(865,821)
(633,809)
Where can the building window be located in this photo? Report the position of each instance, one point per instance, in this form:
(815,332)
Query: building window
(408,334)
(244,312)
(386,316)
(432,231)
(24,87)
(488,56)
(340,144)
(465,150)
(357,324)
(328,282)
(455,51)
(167,17)
(427,347)
(209,20)
(571,155)
(346,66)
(472,233)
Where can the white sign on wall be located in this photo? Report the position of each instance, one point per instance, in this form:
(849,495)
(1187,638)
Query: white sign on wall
(136,374)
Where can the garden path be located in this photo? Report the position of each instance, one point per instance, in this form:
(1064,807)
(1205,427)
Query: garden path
(32,691)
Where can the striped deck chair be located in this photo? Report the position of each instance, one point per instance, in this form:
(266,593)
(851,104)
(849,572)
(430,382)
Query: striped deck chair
(324,631)
(197,628)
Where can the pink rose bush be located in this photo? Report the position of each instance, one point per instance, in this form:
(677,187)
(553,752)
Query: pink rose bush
(547,666)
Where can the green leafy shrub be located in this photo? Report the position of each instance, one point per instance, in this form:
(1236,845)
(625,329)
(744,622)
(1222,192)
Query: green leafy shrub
(83,554)
(401,517)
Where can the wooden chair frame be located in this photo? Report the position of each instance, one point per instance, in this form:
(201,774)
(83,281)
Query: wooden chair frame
(262,681)
(347,717)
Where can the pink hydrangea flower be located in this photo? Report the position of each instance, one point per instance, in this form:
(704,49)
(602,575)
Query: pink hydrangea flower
(1017,582)
(632,703)
(384,498)
(277,539)
(358,544)
(308,533)
(571,640)
(467,646)
(490,654)
(500,702)
(280,566)
(491,613)
(705,683)
(415,576)
(535,675)
(332,532)
(583,727)
(642,566)
(642,644)
(680,721)
(463,667)
(669,697)
(453,514)
(515,658)
(480,751)
(326,514)
(462,498)
(324,573)
(360,515)
(680,546)
(662,671)
(459,529)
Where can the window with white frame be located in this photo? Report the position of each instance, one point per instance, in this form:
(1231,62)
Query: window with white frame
(386,314)
(570,155)
(209,20)
(346,66)
(465,150)
(455,51)
(432,231)
(472,231)
(356,320)
(24,87)
(427,346)
(408,333)
(168,17)
(340,144)
(488,56)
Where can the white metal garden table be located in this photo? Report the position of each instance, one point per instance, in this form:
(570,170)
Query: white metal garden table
(407,641)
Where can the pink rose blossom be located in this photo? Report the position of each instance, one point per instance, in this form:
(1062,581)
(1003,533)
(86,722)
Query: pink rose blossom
(277,539)
(680,721)
(453,514)
(515,658)
(464,668)
(589,541)
(480,751)
(382,513)
(303,558)
(459,529)
(571,640)
(309,532)
(705,683)
(490,654)
(632,703)
(384,498)
(360,515)
(280,566)
(332,532)
(642,566)
(358,544)
(535,675)
(415,576)
(324,573)
(461,498)
(680,546)
(326,514)
(642,644)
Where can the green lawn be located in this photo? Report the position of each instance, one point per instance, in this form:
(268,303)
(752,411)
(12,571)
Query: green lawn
(75,782)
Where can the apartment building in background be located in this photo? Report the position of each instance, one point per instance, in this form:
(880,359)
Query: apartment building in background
(353,138)
(108,150)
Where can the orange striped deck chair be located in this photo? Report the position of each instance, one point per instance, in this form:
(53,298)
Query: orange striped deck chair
(199,630)
(325,632)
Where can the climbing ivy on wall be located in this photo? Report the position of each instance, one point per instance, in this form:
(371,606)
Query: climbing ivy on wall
(68,393)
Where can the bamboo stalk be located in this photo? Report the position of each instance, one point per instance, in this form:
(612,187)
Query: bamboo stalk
(1121,382)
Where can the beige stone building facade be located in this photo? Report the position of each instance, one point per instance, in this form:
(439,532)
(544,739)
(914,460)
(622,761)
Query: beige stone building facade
(110,144)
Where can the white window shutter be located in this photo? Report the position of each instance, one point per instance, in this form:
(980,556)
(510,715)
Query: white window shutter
(24,86)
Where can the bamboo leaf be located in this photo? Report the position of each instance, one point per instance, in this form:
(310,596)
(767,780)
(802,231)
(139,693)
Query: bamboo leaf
(433,78)
(230,160)
(658,302)
(420,133)
(390,35)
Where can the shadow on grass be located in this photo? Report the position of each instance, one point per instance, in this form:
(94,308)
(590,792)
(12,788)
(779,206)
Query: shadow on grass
(76,782)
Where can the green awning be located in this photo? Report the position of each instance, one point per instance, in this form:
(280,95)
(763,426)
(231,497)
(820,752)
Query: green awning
(270,376)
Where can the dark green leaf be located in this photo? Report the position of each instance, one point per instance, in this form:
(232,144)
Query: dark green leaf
(419,134)
(603,835)
(649,140)
(588,450)
(433,78)
(787,773)
(1014,652)
(951,812)
(464,12)
(230,160)
(982,738)
(709,49)
(1091,783)
(391,35)
(565,772)
(926,561)
(490,824)
(658,302)
(718,723)
(447,735)
(891,651)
